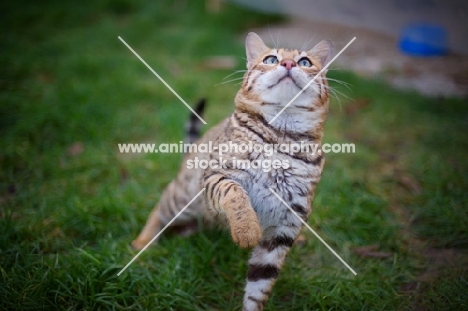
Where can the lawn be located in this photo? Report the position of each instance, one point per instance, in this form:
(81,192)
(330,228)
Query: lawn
(70,204)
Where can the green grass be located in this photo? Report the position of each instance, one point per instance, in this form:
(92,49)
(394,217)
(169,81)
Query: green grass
(66,219)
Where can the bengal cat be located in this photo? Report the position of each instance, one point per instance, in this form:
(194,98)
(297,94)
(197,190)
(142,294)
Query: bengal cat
(239,196)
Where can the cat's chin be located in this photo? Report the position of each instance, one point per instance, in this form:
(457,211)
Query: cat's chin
(285,91)
(289,82)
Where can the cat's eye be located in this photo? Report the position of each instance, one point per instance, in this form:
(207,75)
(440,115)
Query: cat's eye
(270,60)
(305,62)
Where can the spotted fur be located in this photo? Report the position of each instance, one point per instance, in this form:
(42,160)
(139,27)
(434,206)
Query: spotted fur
(240,197)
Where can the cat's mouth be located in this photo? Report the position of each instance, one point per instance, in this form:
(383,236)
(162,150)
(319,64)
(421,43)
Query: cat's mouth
(286,77)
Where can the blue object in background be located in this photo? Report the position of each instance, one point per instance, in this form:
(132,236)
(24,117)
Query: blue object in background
(423,39)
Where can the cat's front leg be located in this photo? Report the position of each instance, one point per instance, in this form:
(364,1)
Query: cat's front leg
(226,196)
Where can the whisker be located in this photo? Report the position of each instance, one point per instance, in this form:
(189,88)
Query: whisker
(271,36)
(277,39)
(228,81)
(306,44)
(236,71)
(303,46)
(339,81)
(335,91)
(345,84)
(334,95)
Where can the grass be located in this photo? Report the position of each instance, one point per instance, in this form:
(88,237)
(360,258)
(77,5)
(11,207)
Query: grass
(70,204)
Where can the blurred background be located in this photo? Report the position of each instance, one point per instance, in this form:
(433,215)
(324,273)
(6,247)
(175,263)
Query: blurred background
(70,203)
(389,33)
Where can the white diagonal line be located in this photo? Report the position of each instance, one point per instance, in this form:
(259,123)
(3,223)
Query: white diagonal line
(311,81)
(162,80)
(312,230)
(157,235)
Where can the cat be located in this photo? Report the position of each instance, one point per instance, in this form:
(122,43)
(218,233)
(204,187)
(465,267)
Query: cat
(239,197)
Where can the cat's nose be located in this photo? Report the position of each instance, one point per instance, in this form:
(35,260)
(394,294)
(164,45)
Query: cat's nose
(288,63)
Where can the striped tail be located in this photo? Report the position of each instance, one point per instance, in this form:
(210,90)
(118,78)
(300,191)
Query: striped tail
(265,264)
(193,125)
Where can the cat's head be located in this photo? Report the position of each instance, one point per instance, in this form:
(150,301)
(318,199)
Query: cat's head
(275,76)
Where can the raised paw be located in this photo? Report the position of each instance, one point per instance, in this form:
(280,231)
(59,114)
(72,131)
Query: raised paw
(245,228)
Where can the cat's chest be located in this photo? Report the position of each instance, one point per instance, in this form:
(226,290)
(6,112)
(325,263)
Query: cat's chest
(293,182)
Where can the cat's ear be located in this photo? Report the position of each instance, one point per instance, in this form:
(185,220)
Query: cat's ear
(323,51)
(254,47)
